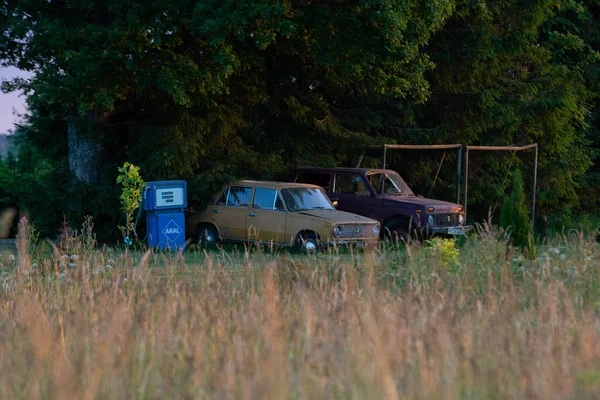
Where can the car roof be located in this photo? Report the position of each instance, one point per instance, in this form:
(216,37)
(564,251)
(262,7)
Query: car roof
(272,184)
(342,169)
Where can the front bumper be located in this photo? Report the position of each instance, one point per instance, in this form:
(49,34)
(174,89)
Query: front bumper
(449,230)
(359,242)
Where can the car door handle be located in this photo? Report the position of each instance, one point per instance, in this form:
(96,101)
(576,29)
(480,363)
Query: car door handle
(252,214)
(216,211)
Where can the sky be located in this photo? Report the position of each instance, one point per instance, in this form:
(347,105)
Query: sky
(10,102)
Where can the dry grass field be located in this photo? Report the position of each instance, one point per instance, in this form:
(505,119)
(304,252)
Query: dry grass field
(79,322)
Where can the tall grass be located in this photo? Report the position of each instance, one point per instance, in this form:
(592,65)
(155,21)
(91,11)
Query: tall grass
(82,322)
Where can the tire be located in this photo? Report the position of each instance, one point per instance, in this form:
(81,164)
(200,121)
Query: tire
(396,235)
(207,235)
(307,242)
(399,234)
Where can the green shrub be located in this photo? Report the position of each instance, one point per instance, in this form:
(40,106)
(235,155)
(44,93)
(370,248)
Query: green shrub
(131,195)
(444,250)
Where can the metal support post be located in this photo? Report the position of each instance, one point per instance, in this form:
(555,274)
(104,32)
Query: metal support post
(458,172)
(437,173)
(534,186)
(362,155)
(466,181)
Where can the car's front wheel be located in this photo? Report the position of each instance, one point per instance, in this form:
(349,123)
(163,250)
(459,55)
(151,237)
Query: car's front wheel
(397,235)
(207,235)
(307,242)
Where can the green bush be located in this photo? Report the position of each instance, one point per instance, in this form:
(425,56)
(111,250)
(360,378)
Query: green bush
(131,195)
(444,250)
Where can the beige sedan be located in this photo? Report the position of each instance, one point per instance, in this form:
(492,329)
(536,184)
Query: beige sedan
(279,213)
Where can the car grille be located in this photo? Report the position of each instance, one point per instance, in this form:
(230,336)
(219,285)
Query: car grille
(446,219)
(350,231)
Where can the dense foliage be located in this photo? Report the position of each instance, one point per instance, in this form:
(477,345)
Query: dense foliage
(214,90)
(513,72)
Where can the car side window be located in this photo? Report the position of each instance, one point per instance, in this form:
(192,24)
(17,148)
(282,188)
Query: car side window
(348,183)
(322,179)
(239,196)
(267,199)
(223,198)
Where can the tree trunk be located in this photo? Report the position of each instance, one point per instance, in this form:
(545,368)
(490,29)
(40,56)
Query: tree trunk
(85,151)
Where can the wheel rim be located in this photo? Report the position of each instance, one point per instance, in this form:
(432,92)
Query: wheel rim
(310,245)
(207,237)
(394,237)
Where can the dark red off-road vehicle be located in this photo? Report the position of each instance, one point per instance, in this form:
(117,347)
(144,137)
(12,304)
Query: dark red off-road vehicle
(383,195)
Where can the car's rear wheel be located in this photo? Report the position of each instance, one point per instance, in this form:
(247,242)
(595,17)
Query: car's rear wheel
(307,242)
(207,235)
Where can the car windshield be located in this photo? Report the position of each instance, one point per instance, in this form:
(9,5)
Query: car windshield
(305,199)
(389,182)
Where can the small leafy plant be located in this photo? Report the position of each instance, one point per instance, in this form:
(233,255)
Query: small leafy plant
(444,250)
(131,196)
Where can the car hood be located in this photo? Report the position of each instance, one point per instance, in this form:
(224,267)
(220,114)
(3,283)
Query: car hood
(338,217)
(416,201)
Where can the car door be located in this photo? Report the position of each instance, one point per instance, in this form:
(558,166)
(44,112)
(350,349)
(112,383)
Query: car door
(230,211)
(267,217)
(352,194)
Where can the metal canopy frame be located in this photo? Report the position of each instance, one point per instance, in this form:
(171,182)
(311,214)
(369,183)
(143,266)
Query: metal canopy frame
(385,147)
(533,146)
(459,150)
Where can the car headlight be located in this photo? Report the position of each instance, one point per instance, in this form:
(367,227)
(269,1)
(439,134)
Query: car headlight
(431,220)
(337,231)
(376,230)
(461,219)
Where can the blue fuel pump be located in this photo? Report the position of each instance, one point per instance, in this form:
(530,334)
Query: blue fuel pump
(164,203)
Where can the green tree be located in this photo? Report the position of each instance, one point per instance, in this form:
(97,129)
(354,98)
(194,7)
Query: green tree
(514,215)
(7,180)
(156,65)
(574,37)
